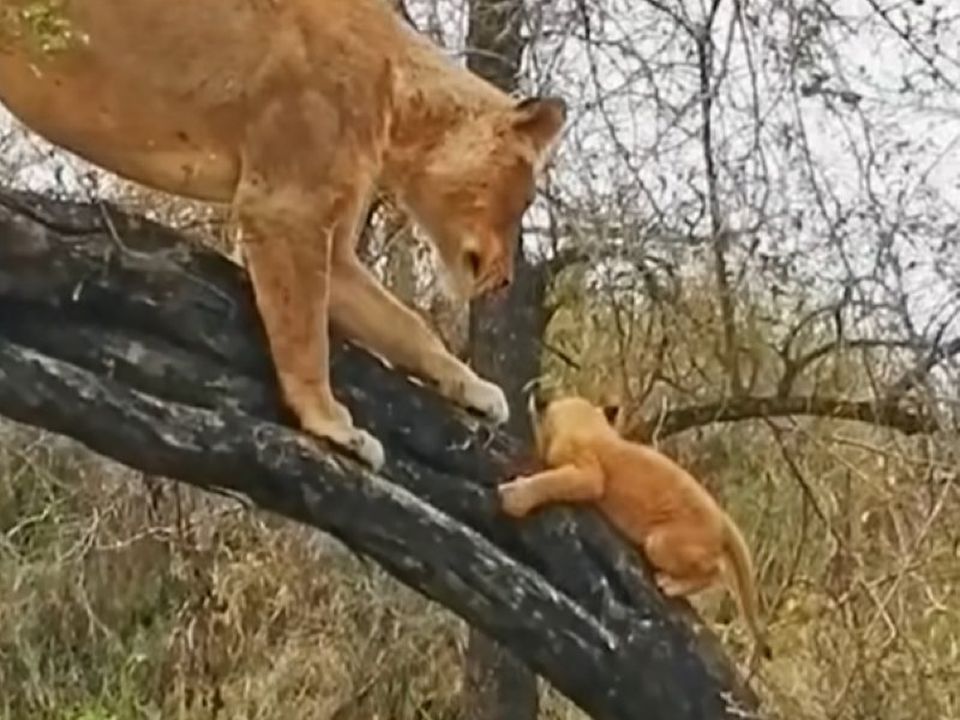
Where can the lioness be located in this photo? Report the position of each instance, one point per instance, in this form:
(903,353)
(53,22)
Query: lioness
(687,537)
(294,112)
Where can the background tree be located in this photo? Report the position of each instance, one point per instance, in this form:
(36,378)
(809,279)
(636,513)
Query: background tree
(503,345)
(751,232)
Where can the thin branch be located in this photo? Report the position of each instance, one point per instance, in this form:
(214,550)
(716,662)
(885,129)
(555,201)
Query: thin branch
(721,238)
(910,379)
(916,49)
(884,413)
(794,368)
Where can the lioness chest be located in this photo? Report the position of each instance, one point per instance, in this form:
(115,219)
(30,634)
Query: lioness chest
(158,91)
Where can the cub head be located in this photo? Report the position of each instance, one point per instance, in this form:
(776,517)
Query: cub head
(568,416)
(475,185)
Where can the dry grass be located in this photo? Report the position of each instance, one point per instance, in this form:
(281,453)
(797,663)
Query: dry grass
(120,599)
(856,546)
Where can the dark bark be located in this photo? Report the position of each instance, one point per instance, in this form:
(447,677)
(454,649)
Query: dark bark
(504,347)
(150,351)
(495,41)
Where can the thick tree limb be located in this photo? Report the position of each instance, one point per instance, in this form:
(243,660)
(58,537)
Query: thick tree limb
(147,350)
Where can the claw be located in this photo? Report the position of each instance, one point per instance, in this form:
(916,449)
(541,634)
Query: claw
(487,399)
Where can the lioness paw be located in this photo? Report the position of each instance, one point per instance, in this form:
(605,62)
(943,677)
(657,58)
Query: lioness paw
(487,399)
(513,499)
(358,443)
(368,449)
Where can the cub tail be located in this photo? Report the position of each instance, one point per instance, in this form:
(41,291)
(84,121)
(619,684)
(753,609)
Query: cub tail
(740,566)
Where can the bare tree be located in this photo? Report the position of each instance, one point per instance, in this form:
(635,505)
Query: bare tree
(750,234)
(503,345)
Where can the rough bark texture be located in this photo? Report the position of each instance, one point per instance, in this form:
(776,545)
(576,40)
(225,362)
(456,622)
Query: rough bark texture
(121,335)
(504,346)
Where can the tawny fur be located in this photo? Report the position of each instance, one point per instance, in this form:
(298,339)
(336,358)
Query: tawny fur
(295,112)
(688,539)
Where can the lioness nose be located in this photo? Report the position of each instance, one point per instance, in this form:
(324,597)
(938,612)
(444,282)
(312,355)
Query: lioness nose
(473,262)
(504,278)
(500,273)
(491,271)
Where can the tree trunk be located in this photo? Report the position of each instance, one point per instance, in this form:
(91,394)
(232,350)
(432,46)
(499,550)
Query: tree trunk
(120,334)
(504,347)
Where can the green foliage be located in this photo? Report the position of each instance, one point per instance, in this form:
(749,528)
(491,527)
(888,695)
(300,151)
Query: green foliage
(42,25)
(94,713)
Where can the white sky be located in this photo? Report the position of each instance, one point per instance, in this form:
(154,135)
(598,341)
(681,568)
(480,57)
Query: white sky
(633,151)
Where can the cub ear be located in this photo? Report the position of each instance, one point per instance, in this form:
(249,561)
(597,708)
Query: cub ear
(536,404)
(611,413)
(540,118)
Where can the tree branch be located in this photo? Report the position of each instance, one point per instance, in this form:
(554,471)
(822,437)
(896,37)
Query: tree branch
(721,236)
(886,413)
(937,354)
(120,335)
(795,367)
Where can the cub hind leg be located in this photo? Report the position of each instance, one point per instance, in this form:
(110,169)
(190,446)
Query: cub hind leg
(685,560)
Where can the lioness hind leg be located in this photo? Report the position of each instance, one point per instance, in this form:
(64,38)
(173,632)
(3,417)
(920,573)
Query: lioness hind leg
(368,313)
(288,220)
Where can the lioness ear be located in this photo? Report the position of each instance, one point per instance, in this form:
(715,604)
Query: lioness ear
(540,118)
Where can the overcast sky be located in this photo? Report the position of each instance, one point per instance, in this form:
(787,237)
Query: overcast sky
(633,141)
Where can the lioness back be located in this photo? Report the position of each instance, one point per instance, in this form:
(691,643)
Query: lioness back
(159,91)
(296,112)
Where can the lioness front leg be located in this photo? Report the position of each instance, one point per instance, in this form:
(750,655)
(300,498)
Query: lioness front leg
(369,314)
(288,220)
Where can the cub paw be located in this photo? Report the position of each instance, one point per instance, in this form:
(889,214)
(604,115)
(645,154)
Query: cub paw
(513,499)
(487,399)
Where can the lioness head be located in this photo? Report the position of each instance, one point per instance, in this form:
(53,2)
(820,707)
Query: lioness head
(475,186)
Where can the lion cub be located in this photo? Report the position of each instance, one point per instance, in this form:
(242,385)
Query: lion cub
(690,541)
